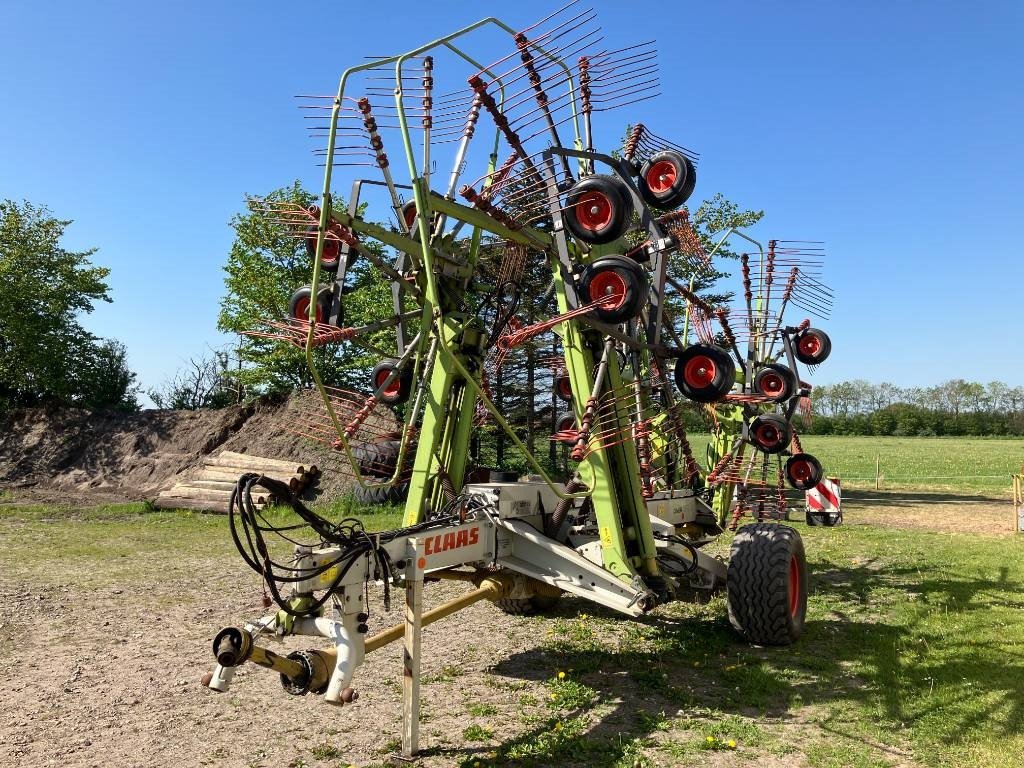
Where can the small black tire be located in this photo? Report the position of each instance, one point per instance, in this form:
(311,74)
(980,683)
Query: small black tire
(766,584)
(565,422)
(563,388)
(812,346)
(770,433)
(331,256)
(597,209)
(398,391)
(803,471)
(377,492)
(776,382)
(615,276)
(667,179)
(298,305)
(705,373)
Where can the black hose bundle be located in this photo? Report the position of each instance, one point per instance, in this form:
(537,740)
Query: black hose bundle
(249,525)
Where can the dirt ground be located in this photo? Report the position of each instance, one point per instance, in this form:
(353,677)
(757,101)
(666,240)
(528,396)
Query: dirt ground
(102,669)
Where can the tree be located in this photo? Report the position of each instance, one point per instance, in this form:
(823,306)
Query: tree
(104,380)
(265,266)
(202,383)
(45,354)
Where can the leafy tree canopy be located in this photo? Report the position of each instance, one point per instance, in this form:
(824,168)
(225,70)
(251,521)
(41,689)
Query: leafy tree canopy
(45,353)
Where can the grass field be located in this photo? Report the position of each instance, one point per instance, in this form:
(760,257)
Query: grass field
(937,463)
(911,657)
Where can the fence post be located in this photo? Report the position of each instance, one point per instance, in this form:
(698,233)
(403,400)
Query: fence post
(1018,501)
(878,482)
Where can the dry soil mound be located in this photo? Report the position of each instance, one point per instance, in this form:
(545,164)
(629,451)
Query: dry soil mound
(103,456)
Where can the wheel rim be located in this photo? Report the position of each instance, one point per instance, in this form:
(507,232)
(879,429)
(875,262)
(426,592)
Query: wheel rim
(409,215)
(661,177)
(606,284)
(772,385)
(768,435)
(302,310)
(800,472)
(699,372)
(332,249)
(794,586)
(809,345)
(594,211)
(565,388)
(393,388)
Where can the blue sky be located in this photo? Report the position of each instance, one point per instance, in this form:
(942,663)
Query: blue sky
(891,130)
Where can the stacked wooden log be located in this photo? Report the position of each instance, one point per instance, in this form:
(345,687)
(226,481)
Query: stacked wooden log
(209,490)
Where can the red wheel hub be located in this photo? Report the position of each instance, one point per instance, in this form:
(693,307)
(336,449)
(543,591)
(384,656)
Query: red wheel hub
(699,372)
(410,216)
(609,288)
(594,211)
(767,435)
(302,310)
(809,345)
(772,385)
(794,586)
(393,388)
(800,471)
(661,177)
(564,388)
(332,249)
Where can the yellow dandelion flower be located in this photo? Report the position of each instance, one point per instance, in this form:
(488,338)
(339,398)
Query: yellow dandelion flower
(710,739)
(561,675)
(731,743)
(558,726)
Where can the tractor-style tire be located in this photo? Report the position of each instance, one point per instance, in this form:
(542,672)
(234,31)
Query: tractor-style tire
(398,391)
(667,180)
(705,373)
(597,209)
(767,584)
(812,346)
(775,381)
(527,606)
(378,459)
(615,276)
(377,493)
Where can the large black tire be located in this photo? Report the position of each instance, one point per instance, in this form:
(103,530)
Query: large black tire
(527,606)
(767,584)
(378,459)
(597,209)
(375,493)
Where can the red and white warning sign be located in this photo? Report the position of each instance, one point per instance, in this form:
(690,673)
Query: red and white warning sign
(825,497)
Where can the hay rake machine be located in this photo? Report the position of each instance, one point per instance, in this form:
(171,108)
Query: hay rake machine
(635,347)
